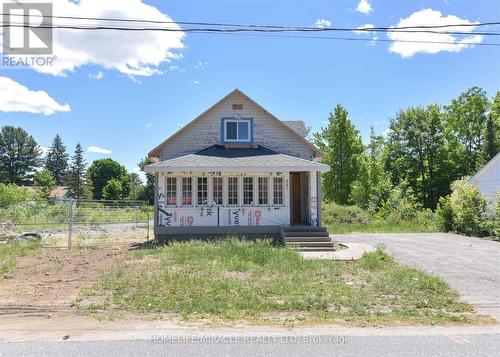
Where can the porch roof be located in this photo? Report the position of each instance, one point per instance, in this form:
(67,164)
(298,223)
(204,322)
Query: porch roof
(221,159)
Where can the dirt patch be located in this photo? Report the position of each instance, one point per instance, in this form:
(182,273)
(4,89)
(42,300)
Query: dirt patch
(47,283)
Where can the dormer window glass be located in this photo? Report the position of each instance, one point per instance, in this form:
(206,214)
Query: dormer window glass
(237,130)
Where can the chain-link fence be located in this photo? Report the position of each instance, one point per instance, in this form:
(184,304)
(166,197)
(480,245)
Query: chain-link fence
(69,223)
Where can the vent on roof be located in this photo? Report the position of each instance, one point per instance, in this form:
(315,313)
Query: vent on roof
(237,106)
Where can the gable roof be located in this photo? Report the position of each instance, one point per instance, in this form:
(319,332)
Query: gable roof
(298,126)
(493,161)
(221,159)
(156,150)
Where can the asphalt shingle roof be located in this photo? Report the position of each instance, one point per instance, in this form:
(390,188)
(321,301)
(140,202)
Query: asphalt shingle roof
(220,158)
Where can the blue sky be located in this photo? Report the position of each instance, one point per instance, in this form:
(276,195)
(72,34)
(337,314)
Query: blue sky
(130,113)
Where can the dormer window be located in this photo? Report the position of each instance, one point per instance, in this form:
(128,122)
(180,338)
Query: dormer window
(236,130)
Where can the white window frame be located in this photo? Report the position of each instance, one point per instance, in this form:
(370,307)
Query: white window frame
(198,191)
(252,203)
(212,196)
(167,191)
(266,185)
(282,191)
(193,193)
(238,140)
(238,193)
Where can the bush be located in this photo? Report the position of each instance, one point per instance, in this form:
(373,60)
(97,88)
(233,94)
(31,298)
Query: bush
(444,215)
(465,211)
(11,193)
(337,214)
(401,205)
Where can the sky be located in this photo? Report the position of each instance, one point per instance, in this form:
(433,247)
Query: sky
(120,94)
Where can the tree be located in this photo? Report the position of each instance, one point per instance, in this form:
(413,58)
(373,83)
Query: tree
(57,160)
(113,190)
(45,184)
(103,170)
(76,178)
(417,153)
(466,121)
(147,192)
(492,136)
(19,156)
(135,185)
(342,146)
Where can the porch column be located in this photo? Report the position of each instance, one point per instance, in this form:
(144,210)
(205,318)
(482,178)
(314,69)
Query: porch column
(313,198)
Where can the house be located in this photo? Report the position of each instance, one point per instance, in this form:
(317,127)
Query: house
(236,169)
(487,179)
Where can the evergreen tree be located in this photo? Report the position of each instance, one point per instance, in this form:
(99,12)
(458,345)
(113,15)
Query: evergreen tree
(19,156)
(57,160)
(342,147)
(76,178)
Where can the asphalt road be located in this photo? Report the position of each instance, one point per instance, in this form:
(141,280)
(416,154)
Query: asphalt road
(470,265)
(453,346)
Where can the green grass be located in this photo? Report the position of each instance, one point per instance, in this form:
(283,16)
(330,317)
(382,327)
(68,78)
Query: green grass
(9,253)
(232,281)
(353,219)
(380,226)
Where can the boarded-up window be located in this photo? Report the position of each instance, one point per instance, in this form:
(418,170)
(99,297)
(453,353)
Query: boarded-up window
(237,106)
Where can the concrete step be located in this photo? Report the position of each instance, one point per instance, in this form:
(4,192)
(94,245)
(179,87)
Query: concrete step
(304,229)
(306,234)
(309,244)
(307,239)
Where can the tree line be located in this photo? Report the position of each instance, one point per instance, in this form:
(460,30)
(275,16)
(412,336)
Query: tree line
(423,152)
(22,163)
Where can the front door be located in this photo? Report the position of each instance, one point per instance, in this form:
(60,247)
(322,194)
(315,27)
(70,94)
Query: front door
(295,194)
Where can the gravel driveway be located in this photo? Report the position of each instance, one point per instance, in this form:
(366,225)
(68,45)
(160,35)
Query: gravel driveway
(470,265)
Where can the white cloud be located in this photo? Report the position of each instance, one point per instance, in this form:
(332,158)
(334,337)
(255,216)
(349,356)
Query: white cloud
(322,23)
(364,7)
(98,150)
(201,65)
(196,82)
(15,97)
(429,17)
(364,27)
(175,68)
(148,124)
(96,76)
(135,53)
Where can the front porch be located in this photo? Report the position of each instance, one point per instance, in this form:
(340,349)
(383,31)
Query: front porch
(257,192)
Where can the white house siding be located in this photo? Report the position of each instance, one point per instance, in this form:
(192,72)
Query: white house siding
(488,179)
(240,215)
(206,131)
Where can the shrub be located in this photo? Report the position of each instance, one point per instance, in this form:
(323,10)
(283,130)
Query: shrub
(465,211)
(11,193)
(444,215)
(335,214)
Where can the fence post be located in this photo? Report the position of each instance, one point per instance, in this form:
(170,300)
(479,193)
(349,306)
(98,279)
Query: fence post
(147,213)
(70,221)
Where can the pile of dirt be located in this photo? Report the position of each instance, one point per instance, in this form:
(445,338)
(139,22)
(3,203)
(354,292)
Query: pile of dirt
(46,284)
